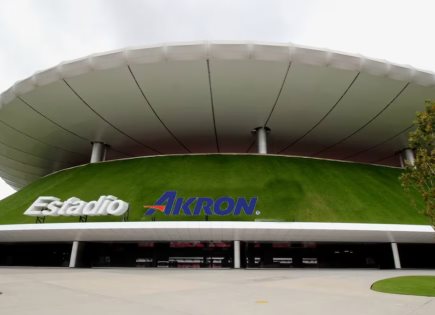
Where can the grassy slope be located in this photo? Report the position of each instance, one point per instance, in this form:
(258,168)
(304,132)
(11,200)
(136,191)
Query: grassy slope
(289,189)
(410,285)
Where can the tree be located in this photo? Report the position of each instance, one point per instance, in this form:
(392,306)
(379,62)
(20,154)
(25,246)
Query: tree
(421,175)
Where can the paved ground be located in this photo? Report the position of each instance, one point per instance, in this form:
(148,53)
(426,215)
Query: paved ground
(155,291)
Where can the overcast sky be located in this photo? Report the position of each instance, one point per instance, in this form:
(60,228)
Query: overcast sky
(37,34)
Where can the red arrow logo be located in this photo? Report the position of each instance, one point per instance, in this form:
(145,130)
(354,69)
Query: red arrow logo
(156,207)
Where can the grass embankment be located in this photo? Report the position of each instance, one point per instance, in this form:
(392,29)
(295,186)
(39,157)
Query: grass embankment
(288,189)
(409,285)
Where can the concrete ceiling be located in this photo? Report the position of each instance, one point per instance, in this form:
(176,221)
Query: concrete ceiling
(207,97)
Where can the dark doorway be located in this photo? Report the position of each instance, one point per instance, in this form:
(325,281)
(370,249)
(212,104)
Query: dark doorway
(158,254)
(35,254)
(417,255)
(317,255)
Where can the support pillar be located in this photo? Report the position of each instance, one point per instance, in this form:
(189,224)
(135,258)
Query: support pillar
(236,254)
(261,133)
(98,152)
(396,256)
(407,155)
(74,254)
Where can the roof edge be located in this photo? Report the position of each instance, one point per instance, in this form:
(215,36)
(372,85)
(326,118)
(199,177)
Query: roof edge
(219,50)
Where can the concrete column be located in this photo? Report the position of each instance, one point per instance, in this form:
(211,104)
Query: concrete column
(98,152)
(396,256)
(236,254)
(74,254)
(261,133)
(402,163)
(408,155)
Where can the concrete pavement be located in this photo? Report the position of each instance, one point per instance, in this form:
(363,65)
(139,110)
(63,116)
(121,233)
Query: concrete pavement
(185,291)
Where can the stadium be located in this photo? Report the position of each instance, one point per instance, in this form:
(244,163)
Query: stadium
(214,155)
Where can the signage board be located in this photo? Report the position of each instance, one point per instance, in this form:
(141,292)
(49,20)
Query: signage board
(170,204)
(52,206)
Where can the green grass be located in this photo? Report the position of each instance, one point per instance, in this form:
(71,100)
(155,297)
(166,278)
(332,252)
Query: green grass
(409,285)
(288,189)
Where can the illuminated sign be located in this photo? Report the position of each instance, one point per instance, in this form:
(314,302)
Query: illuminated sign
(52,206)
(169,204)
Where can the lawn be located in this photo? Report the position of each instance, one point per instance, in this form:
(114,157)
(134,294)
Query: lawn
(288,188)
(409,285)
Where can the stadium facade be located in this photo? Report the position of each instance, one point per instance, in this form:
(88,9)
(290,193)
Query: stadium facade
(206,99)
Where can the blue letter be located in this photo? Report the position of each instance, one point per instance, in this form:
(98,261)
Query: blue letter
(242,204)
(220,201)
(179,205)
(203,203)
(168,197)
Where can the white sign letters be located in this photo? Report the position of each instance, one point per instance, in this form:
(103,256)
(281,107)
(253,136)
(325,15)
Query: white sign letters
(52,206)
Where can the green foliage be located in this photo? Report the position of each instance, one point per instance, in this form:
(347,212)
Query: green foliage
(410,285)
(288,189)
(421,175)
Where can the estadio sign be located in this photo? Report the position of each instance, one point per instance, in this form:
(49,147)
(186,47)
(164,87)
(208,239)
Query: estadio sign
(52,206)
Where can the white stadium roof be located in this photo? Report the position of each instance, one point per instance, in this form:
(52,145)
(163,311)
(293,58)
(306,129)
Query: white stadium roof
(207,97)
(219,231)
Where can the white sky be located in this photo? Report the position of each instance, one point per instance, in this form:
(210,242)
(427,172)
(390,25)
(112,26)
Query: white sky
(37,34)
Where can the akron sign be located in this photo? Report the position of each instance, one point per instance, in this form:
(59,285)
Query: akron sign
(170,204)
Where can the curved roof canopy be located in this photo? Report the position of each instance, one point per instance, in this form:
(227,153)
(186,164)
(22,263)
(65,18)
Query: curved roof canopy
(207,97)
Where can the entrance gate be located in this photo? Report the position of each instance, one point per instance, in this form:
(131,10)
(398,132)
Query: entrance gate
(158,254)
